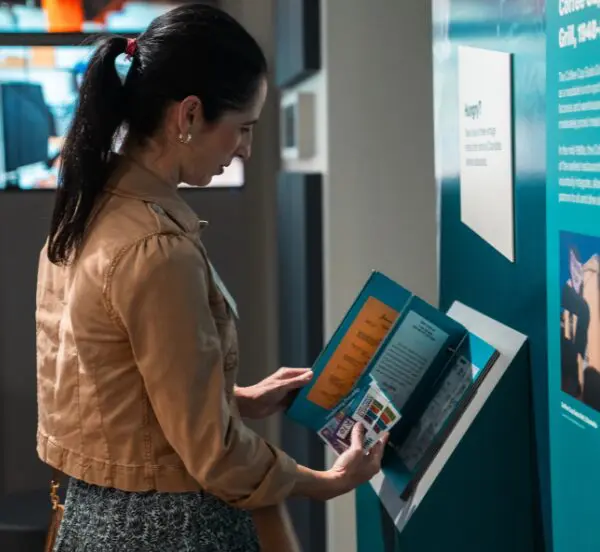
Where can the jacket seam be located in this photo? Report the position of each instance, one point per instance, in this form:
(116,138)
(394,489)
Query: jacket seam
(81,434)
(149,474)
(102,429)
(148,471)
(97,408)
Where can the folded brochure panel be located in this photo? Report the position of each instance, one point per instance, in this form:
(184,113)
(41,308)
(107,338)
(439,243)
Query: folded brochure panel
(422,362)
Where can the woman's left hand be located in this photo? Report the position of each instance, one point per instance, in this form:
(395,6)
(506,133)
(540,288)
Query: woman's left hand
(273,394)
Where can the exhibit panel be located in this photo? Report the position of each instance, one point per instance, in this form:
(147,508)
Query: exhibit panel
(573,117)
(494,264)
(472,270)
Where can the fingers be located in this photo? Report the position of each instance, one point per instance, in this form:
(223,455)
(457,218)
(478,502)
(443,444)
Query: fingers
(298,381)
(292,373)
(357,436)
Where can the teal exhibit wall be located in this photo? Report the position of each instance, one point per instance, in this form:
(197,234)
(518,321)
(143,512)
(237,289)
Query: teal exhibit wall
(573,229)
(470,269)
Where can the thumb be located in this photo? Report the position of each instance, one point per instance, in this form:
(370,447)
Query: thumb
(358,433)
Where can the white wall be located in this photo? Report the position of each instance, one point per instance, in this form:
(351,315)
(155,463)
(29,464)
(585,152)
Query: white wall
(380,195)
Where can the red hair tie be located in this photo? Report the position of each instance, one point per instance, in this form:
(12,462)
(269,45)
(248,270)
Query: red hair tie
(131,47)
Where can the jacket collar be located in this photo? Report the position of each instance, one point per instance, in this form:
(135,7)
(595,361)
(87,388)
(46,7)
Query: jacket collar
(132,180)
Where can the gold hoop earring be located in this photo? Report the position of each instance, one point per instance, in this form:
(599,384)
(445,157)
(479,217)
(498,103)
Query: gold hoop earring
(185,139)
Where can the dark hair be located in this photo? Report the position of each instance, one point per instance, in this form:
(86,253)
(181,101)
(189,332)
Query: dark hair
(191,50)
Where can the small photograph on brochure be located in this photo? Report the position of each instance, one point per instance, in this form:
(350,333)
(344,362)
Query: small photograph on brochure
(580,317)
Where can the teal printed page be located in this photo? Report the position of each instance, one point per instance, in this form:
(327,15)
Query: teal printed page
(405,461)
(347,355)
(413,356)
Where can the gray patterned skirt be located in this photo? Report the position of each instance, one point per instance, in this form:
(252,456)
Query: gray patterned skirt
(99,519)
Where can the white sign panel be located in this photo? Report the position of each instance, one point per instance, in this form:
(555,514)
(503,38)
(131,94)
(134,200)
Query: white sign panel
(486,149)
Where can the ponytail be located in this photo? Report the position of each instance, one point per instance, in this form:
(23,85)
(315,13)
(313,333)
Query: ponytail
(85,156)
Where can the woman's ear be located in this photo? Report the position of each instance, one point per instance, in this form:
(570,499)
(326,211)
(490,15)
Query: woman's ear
(190,117)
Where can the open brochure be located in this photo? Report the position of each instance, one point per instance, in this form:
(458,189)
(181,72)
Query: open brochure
(399,366)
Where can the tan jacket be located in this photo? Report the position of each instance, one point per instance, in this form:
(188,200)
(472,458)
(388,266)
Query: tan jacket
(137,358)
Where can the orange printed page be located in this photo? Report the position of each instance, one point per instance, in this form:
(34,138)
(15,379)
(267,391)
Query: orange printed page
(353,354)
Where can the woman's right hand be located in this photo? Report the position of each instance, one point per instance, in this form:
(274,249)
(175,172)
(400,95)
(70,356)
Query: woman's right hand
(352,468)
(355,467)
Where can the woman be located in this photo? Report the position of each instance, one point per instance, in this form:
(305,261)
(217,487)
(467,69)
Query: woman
(137,350)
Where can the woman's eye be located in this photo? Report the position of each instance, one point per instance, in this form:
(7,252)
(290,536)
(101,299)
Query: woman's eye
(246,130)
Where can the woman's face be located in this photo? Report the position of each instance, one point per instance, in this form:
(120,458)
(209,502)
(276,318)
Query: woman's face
(213,146)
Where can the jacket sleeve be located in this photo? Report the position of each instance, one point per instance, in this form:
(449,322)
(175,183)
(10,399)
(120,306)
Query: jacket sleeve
(158,293)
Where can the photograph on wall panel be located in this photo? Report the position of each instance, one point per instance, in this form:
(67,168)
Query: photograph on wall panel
(580,317)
